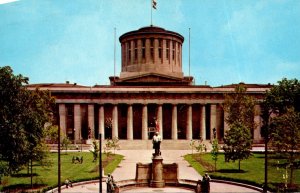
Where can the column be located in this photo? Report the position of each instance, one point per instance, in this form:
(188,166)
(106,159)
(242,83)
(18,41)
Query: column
(91,120)
(145,122)
(257,123)
(148,57)
(160,120)
(115,121)
(189,133)
(155,58)
(129,122)
(180,56)
(164,55)
(226,126)
(132,52)
(170,53)
(213,119)
(139,47)
(203,122)
(174,122)
(77,121)
(101,122)
(62,118)
(175,56)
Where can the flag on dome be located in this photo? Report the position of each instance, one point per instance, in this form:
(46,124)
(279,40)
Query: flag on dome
(154,4)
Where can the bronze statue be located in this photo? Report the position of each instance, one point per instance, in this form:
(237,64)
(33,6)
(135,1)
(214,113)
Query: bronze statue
(156,143)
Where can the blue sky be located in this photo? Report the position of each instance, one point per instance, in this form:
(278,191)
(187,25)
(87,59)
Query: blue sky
(52,41)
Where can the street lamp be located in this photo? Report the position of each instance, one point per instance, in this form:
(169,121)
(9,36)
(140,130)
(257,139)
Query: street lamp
(100,163)
(58,146)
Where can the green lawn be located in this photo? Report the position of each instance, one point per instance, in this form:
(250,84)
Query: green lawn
(47,176)
(252,169)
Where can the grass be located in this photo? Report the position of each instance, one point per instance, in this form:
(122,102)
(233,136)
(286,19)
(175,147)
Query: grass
(46,177)
(252,169)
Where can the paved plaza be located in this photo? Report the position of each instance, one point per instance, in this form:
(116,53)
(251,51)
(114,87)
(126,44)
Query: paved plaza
(127,167)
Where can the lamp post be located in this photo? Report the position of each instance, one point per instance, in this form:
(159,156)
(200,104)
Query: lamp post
(58,146)
(100,163)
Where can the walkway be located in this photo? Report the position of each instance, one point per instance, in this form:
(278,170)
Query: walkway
(126,170)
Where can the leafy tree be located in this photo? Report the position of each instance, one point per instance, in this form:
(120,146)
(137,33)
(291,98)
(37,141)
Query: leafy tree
(192,145)
(240,107)
(115,144)
(238,139)
(283,96)
(51,133)
(95,150)
(23,114)
(281,108)
(65,142)
(215,152)
(237,143)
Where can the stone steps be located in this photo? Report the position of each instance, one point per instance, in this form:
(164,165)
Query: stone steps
(165,145)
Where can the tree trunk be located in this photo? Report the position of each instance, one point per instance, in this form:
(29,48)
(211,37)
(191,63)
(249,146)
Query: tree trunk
(239,165)
(215,165)
(31,173)
(291,174)
(28,167)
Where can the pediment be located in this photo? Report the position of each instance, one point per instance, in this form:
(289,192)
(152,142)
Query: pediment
(151,78)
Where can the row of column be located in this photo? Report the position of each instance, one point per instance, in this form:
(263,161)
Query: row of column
(164,51)
(174,130)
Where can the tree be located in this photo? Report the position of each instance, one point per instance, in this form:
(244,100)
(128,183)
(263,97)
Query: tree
(23,114)
(215,152)
(240,107)
(238,139)
(237,144)
(281,108)
(65,142)
(95,150)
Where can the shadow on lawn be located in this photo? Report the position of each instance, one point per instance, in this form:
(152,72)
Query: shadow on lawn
(23,175)
(23,187)
(231,171)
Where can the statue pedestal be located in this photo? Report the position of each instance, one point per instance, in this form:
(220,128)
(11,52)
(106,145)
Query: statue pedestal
(157,180)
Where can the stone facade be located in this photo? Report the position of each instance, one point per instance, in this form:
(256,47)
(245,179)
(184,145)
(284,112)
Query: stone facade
(151,93)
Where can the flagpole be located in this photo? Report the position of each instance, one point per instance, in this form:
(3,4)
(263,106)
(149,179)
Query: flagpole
(189,52)
(151,7)
(114,56)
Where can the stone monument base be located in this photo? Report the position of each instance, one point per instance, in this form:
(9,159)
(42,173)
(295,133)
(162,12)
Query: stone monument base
(157,184)
(157,174)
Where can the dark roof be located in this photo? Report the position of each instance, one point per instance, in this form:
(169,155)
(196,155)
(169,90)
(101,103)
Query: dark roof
(67,85)
(151,30)
(246,85)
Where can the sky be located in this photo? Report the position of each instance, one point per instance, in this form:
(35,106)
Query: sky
(231,41)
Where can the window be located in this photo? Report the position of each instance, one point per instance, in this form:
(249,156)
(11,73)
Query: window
(151,48)
(160,48)
(167,49)
(173,50)
(129,52)
(143,48)
(135,51)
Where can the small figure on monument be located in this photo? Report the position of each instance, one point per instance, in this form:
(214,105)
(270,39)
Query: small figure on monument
(198,186)
(205,186)
(109,183)
(156,143)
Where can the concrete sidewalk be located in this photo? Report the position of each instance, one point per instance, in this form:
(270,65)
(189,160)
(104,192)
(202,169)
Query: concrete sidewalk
(127,169)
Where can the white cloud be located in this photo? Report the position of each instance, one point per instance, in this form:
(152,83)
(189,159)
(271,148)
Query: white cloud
(7,1)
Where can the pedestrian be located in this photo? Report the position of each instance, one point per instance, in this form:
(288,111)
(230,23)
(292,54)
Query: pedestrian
(205,183)
(109,183)
(67,182)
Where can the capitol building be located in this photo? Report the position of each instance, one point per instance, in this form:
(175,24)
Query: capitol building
(150,94)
